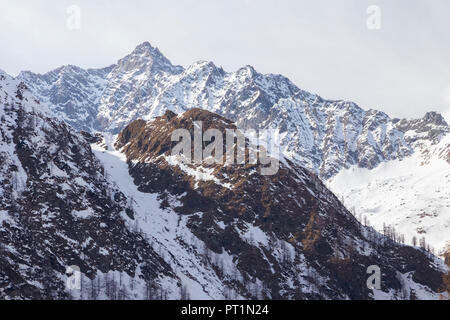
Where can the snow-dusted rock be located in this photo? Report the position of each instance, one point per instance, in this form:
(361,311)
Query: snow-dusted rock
(322,135)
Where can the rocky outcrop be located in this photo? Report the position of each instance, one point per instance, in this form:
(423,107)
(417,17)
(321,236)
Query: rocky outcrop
(287,236)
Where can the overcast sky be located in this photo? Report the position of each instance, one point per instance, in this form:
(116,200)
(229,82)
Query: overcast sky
(323,46)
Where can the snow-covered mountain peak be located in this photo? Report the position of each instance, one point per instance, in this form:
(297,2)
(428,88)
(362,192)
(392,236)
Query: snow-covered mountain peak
(247,71)
(14,93)
(224,231)
(146,48)
(435,118)
(146,57)
(323,135)
(5,79)
(3,74)
(72,93)
(69,68)
(206,66)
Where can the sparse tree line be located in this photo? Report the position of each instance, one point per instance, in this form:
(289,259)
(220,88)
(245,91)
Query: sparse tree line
(114,287)
(392,234)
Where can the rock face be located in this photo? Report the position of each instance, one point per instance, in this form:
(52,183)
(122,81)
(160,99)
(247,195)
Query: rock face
(281,237)
(58,209)
(200,217)
(322,135)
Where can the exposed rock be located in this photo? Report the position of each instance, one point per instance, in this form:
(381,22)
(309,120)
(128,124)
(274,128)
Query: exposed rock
(58,209)
(288,235)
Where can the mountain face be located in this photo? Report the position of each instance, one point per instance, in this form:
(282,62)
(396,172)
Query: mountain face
(141,224)
(322,135)
(269,237)
(411,195)
(72,93)
(387,159)
(58,209)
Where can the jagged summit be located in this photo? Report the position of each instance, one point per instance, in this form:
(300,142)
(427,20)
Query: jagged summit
(147,48)
(435,118)
(3,73)
(324,136)
(145,56)
(146,45)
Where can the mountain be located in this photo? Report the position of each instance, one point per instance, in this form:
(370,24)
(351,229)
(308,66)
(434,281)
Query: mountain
(72,93)
(327,137)
(141,224)
(59,209)
(411,195)
(284,236)
(324,136)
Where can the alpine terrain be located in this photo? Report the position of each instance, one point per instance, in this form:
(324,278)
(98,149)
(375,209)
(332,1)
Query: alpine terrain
(326,137)
(89,181)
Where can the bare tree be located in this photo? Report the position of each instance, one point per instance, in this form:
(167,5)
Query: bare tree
(286,255)
(235,274)
(184,293)
(47,276)
(446,276)
(107,286)
(423,243)
(148,291)
(15,181)
(206,254)
(113,288)
(414,241)
(94,290)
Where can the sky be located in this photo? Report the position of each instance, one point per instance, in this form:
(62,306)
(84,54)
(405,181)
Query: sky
(393,57)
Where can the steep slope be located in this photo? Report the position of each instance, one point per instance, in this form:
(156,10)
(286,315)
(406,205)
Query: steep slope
(58,209)
(142,74)
(412,196)
(322,135)
(282,236)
